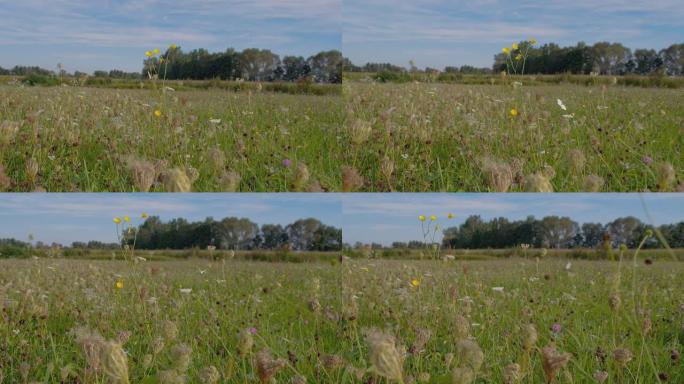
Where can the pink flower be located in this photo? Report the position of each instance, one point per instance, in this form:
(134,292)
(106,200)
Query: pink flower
(648,160)
(252,330)
(556,328)
(287,163)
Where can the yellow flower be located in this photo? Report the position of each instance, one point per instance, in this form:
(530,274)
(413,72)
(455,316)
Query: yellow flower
(506,50)
(148,53)
(415,283)
(450,216)
(533,41)
(143,215)
(421,218)
(157,113)
(156,51)
(514,112)
(119,284)
(515,46)
(433,217)
(172,47)
(127,219)
(117,220)
(518,57)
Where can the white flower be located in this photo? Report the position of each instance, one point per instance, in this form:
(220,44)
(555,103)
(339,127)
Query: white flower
(561,105)
(215,121)
(497,289)
(186,290)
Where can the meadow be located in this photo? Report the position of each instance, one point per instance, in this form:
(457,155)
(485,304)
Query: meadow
(175,137)
(355,321)
(517,134)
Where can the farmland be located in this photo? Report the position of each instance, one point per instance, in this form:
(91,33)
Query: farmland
(514,321)
(513,136)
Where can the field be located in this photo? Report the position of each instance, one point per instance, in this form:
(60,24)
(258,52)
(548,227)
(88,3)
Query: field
(370,321)
(514,137)
(71,138)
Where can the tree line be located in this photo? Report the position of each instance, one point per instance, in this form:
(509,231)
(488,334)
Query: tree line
(237,234)
(557,232)
(251,64)
(602,58)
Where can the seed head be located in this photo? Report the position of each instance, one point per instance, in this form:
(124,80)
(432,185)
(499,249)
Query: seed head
(177,180)
(217,159)
(553,361)
(469,354)
(114,362)
(301,177)
(530,337)
(538,182)
(209,375)
(592,183)
(512,374)
(665,174)
(622,356)
(351,179)
(245,342)
(360,131)
(267,367)
(144,173)
(462,375)
(169,330)
(498,174)
(230,181)
(384,355)
(600,376)
(180,356)
(576,160)
(5,181)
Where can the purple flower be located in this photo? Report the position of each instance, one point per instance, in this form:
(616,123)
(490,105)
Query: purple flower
(556,328)
(287,163)
(648,160)
(252,330)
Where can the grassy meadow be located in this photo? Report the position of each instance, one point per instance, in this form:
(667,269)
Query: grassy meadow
(358,321)
(94,139)
(513,137)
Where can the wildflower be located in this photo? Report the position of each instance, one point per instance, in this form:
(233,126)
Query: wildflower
(518,57)
(148,53)
(156,51)
(433,218)
(119,284)
(267,367)
(622,356)
(533,41)
(556,328)
(127,219)
(117,220)
(384,355)
(421,218)
(172,47)
(143,215)
(450,216)
(514,112)
(287,163)
(415,283)
(332,362)
(506,50)
(157,113)
(647,160)
(553,361)
(561,105)
(252,330)
(515,46)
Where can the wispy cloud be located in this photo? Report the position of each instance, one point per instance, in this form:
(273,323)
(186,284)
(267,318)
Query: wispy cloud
(377,30)
(57,27)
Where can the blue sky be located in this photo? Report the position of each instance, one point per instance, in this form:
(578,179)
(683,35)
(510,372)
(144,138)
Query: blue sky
(384,218)
(87,35)
(438,33)
(72,217)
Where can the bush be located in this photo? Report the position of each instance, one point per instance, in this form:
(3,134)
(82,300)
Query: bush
(35,79)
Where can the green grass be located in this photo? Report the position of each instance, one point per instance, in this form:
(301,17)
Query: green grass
(46,298)
(452,137)
(96,139)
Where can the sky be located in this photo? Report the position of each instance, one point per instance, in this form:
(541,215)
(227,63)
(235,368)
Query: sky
(69,217)
(385,218)
(438,33)
(89,35)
